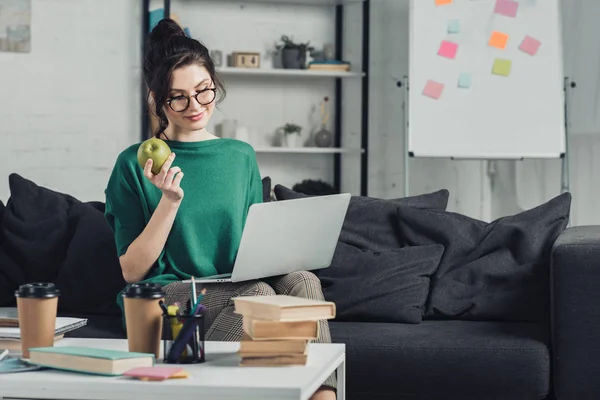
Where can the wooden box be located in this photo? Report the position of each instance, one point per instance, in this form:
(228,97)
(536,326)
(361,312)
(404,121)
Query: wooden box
(246,60)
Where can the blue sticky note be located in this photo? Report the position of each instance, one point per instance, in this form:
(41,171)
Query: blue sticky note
(454,26)
(464,81)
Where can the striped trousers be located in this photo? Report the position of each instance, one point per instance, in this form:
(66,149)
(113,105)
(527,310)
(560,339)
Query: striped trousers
(223,324)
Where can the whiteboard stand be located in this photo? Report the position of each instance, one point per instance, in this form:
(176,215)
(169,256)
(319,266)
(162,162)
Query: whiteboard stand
(565,184)
(566,173)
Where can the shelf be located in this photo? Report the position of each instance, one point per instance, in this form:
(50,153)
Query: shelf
(288,72)
(305,150)
(294,2)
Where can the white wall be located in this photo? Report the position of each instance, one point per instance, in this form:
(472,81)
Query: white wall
(80,90)
(389,63)
(70,105)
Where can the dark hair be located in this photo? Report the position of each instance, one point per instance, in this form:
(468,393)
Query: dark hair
(168,49)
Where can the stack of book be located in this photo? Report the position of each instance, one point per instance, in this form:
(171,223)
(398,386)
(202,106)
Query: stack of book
(278,329)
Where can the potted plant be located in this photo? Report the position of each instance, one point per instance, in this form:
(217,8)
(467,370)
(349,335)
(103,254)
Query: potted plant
(291,134)
(293,55)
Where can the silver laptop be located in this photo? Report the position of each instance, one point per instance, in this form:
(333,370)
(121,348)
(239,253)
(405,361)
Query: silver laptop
(287,236)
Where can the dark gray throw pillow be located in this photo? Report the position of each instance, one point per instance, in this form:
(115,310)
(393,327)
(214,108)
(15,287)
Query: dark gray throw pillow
(370,223)
(489,271)
(266,189)
(390,286)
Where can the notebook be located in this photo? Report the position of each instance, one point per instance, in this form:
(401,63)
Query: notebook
(284,308)
(62,326)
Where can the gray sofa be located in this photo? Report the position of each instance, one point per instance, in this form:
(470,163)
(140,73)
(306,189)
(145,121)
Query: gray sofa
(442,351)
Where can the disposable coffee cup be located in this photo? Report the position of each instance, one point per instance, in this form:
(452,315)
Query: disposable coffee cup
(37,304)
(143,317)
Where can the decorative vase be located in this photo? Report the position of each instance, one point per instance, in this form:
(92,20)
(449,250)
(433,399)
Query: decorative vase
(323,138)
(293,58)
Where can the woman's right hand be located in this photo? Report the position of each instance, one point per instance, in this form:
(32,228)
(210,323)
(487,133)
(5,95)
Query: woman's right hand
(167,180)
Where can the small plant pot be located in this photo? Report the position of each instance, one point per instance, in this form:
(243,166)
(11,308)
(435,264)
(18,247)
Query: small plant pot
(293,58)
(292,140)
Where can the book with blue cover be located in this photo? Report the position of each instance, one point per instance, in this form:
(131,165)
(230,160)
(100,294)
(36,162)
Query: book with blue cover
(89,360)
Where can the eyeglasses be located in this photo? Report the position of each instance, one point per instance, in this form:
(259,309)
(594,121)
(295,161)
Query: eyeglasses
(203,97)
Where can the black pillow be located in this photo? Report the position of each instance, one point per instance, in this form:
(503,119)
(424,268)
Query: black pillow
(489,271)
(2,207)
(266,189)
(35,229)
(370,223)
(390,286)
(90,277)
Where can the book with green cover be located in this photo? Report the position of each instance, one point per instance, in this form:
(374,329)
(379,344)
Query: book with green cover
(89,360)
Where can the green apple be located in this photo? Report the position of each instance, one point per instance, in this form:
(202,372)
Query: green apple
(156,149)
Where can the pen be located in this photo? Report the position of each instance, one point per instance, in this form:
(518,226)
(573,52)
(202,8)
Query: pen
(194,297)
(3,354)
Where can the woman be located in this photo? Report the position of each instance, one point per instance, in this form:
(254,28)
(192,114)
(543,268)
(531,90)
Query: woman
(187,220)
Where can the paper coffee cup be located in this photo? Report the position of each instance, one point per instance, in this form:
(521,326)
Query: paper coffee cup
(143,317)
(37,304)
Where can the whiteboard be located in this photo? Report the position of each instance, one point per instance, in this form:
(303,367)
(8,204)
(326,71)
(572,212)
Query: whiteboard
(497,117)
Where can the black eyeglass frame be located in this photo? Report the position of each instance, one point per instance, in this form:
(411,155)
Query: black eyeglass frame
(214,90)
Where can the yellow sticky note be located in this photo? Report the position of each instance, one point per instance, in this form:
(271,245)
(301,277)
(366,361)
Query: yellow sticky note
(502,67)
(498,39)
(443,2)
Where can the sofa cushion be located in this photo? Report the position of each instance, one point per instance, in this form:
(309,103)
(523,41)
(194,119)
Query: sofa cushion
(447,360)
(390,286)
(53,237)
(370,223)
(266,189)
(490,271)
(36,235)
(90,275)
(2,207)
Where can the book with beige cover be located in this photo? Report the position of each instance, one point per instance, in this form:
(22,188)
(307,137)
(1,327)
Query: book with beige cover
(278,329)
(284,308)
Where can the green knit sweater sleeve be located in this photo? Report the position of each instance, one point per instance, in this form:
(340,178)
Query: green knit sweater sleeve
(256,190)
(124,210)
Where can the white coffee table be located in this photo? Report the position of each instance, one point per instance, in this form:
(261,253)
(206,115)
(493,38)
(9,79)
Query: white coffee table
(219,378)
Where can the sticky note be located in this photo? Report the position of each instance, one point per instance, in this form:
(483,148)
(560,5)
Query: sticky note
(153,373)
(502,67)
(530,45)
(454,26)
(448,49)
(498,39)
(442,2)
(507,8)
(464,81)
(433,89)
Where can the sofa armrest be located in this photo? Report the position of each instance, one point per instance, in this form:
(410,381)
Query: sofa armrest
(575,286)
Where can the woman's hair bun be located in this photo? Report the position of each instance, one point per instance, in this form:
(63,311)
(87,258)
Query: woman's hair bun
(165,30)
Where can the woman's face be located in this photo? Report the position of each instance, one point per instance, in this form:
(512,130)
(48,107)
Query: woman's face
(191,100)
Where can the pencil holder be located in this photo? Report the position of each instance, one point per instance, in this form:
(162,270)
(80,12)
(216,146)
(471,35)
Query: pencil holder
(183,339)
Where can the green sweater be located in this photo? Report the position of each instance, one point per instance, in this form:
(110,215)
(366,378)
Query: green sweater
(221,180)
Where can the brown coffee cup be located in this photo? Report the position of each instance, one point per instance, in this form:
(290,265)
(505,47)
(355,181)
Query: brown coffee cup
(37,304)
(143,317)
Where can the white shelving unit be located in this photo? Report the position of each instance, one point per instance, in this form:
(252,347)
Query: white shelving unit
(304,73)
(349,152)
(306,150)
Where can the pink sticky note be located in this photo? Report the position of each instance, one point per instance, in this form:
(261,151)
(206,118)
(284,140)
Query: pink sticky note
(530,45)
(433,89)
(153,373)
(448,49)
(506,7)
